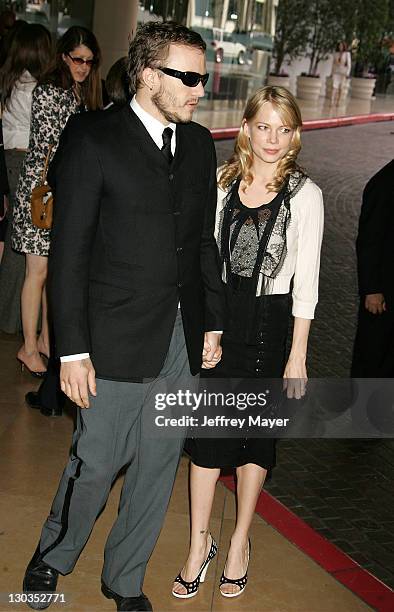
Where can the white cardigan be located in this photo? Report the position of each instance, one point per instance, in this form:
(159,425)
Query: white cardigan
(17,113)
(304,237)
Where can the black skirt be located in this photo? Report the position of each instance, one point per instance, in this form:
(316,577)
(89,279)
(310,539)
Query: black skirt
(254,346)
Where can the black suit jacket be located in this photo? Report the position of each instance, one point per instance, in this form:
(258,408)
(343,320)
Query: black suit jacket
(131,237)
(375,240)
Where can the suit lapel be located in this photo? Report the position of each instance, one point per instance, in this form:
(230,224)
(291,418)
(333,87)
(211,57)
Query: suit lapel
(140,135)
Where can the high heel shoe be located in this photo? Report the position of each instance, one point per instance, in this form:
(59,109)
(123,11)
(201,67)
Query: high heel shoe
(240,582)
(35,374)
(193,586)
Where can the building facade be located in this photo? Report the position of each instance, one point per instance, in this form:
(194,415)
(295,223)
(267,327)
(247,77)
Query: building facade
(239,33)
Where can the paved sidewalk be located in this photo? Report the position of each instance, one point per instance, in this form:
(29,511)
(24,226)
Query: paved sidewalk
(343,488)
(34,449)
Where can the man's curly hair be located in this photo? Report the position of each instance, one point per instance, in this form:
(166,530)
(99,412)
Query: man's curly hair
(151,44)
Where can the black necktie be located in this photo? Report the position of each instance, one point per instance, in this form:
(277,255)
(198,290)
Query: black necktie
(166,148)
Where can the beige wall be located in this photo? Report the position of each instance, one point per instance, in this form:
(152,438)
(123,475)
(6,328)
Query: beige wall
(114,23)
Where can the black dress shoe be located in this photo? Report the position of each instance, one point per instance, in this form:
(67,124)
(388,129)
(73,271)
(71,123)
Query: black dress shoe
(51,412)
(33,400)
(127,604)
(39,578)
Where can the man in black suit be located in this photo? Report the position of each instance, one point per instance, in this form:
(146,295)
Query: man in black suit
(135,289)
(373,355)
(49,398)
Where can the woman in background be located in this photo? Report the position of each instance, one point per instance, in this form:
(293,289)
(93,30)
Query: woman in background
(71,85)
(341,67)
(28,58)
(117,84)
(269,225)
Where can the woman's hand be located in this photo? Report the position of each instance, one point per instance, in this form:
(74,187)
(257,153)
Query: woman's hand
(295,377)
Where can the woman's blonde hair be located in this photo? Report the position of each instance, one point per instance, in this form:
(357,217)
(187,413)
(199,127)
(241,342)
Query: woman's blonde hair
(240,163)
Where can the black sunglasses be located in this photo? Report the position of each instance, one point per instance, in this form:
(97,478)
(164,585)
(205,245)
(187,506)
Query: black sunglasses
(190,79)
(79,60)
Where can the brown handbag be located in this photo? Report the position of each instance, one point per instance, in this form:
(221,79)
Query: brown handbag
(42,200)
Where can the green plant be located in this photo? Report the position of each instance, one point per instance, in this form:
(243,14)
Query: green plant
(373,24)
(328,21)
(291,33)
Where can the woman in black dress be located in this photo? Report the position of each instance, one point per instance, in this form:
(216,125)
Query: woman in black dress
(269,227)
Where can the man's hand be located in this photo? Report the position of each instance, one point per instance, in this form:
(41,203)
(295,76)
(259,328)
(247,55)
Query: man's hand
(374,303)
(76,378)
(212,351)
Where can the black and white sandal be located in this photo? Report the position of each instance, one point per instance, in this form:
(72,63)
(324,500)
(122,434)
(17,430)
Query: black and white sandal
(193,586)
(240,582)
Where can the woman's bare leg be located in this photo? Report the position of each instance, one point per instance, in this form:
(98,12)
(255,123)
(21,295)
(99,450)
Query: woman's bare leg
(36,273)
(43,339)
(250,478)
(334,96)
(339,94)
(202,491)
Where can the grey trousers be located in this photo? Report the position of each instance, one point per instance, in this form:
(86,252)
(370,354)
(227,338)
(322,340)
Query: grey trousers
(117,432)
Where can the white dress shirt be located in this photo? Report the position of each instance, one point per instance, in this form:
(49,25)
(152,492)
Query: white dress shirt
(17,113)
(153,126)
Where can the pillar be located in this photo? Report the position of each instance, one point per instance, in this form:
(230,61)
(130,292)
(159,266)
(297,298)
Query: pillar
(114,24)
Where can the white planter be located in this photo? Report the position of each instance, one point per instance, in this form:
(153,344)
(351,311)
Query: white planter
(281,81)
(308,88)
(344,89)
(362,88)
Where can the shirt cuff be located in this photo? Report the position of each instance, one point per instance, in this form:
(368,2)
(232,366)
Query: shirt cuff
(214,332)
(303,310)
(77,357)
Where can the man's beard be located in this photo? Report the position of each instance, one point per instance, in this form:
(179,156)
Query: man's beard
(164,101)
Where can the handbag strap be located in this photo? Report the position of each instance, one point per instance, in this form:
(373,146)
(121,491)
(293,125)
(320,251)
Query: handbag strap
(45,171)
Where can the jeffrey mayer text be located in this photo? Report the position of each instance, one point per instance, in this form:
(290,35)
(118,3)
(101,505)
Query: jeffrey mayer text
(220,421)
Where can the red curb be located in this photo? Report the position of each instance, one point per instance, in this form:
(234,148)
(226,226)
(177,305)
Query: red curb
(314,124)
(337,563)
(368,588)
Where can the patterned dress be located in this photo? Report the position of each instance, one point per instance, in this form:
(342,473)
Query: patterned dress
(51,108)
